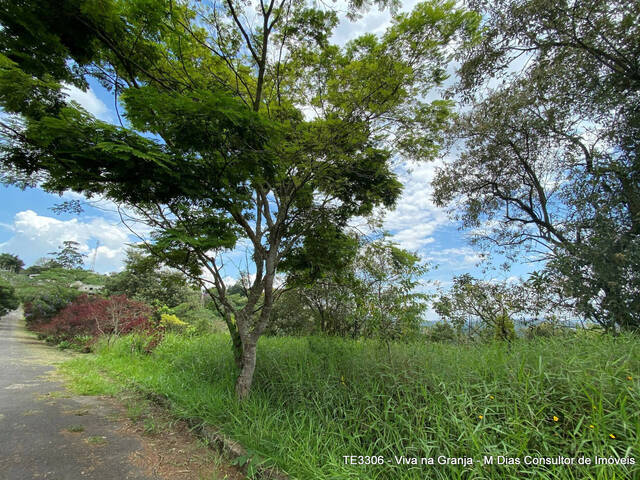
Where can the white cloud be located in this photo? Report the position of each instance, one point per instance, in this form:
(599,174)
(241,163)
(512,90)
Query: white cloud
(34,236)
(89,101)
(460,258)
(374,21)
(416,219)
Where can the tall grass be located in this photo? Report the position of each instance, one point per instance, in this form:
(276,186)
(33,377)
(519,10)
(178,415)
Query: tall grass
(316,400)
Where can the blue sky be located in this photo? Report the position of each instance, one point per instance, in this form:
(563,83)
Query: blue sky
(30,229)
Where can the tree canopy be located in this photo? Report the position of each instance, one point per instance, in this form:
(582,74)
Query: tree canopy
(68,255)
(11,263)
(145,279)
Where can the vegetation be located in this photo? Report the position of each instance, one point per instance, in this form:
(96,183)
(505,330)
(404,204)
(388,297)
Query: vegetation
(94,316)
(476,306)
(238,160)
(548,161)
(145,279)
(10,263)
(68,255)
(243,127)
(8,299)
(59,312)
(318,399)
(371,295)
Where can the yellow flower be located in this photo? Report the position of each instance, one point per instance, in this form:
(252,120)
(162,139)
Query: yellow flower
(591,426)
(555,419)
(612,435)
(480,417)
(629,377)
(491,397)
(342,379)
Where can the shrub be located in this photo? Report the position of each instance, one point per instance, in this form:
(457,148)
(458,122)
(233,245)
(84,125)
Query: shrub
(42,306)
(99,316)
(8,299)
(200,319)
(441,332)
(172,322)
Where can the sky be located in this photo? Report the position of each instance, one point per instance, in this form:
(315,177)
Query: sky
(30,229)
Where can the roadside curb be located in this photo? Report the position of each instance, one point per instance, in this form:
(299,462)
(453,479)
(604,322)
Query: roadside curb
(216,440)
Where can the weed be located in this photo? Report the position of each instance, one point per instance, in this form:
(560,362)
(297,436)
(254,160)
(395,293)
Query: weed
(96,440)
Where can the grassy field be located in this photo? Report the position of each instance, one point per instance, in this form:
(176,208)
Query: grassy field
(316,400)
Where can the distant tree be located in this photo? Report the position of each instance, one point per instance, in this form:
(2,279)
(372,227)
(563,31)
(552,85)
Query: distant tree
(372,295)
(237,289)
(387,304)
(477,305)
(10,263)
(68,255)
(145,279)
(41,265)
(8,299)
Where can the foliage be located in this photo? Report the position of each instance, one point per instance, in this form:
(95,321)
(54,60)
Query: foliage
(544,329)
(387,305)
(68,255)
(10,263)
(8,299)
(95,316)
(318,399)
(46,294)
(42,306)
(146,280)
(372,295)
(549,159)
(237,159)
(441,332)
(292,315)
(42,265)
(172,322)
(201,318)
(474,304)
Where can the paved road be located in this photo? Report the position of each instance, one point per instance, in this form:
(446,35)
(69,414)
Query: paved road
(45,433)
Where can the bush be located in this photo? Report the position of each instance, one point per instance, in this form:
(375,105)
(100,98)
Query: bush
(201,319)
(94,316)
(172,322)
(8,299)
(441,332)
(40,307)
(544,329)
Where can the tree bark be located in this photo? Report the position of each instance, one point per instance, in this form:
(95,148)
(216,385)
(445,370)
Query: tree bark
(245,379)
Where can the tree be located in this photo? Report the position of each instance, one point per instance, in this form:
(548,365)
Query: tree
(547,161)
(68,255)
(11,263)
(42,264)
(387,305)
(8,299)
(477,305)
(145,279)
(372,295)
(222,89)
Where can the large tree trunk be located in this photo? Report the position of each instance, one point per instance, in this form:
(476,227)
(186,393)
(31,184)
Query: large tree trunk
(245,379)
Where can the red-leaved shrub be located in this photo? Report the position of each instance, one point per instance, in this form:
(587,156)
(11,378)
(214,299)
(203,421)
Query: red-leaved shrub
(99,316)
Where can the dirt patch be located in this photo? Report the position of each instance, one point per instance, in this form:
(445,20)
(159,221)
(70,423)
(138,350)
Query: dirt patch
(171,451)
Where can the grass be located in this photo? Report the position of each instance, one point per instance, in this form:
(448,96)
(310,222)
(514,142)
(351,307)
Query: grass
(75,428)
(96,440)
(316,400)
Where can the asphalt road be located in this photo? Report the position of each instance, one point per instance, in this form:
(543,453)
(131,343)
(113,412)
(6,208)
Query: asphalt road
(45,432)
